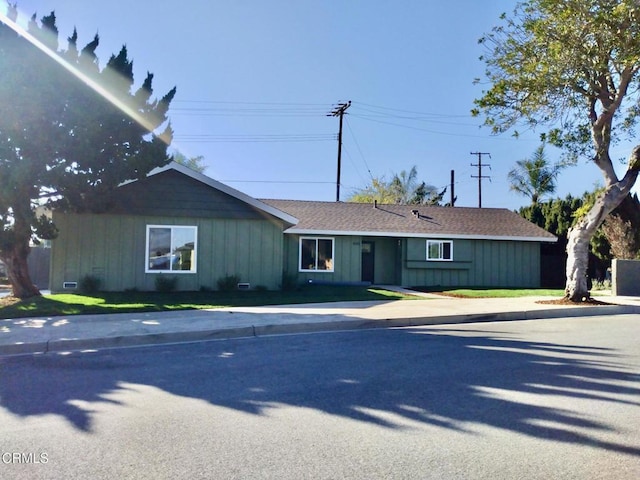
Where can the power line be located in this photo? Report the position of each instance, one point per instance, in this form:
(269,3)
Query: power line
(364,160)
(411,111)
(438,120)
(407,119)
(245,109)
(418,128)
(346,150)
(253,112)
(278,181)
(230,102)
(248,138)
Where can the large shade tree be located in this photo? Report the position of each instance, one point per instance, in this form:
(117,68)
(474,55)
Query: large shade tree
(70,133)
(570,67)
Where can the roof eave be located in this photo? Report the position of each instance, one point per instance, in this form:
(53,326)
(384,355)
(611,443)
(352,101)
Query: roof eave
(308,231)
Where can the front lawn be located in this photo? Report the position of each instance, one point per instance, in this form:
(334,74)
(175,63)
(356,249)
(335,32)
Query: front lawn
(502,292)
(131,302)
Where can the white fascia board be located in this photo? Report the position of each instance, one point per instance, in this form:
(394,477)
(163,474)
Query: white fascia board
(226,189)
(299,231)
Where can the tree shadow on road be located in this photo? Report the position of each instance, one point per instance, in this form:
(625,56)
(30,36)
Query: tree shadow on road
(436,376)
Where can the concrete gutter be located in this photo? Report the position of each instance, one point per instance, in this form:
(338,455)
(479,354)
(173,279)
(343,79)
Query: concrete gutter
(93,332)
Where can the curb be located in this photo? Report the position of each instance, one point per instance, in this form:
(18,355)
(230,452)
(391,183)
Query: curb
(77,344)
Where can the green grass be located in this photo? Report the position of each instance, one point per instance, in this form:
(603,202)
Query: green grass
(131,302)
(503,292)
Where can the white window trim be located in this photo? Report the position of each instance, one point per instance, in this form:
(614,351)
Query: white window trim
(333,255)
(195,250)
(441,250)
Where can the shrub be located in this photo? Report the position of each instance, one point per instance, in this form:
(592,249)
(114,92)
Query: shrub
(166,284)
(289,282)
(601,285)
(228,283)
(89,284)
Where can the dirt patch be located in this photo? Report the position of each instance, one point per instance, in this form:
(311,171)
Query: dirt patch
(8,301)
(586,302)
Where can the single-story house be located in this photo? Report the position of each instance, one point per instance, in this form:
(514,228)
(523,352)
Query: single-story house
(180,223)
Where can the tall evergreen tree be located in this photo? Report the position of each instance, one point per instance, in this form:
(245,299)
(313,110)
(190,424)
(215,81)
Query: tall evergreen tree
(73,133)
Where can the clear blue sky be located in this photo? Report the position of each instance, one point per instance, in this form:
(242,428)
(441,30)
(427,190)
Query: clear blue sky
(257,78)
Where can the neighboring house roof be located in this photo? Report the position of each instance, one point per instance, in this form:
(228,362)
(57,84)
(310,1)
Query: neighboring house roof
(338,218)
(274,211)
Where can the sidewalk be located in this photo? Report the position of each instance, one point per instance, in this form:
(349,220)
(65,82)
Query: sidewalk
(88,332)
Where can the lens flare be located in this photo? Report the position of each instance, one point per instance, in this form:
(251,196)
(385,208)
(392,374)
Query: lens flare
(90,82)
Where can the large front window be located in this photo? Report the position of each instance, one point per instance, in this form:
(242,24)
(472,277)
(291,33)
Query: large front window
(440,250)
(316,254)
(171,248)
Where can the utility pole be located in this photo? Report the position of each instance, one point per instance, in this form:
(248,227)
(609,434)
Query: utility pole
(453,183)
(338,111)
(480,176)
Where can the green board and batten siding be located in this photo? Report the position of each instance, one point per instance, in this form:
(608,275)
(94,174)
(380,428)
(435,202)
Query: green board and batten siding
(233,238)
(347,263)
(488,263)
(112,247)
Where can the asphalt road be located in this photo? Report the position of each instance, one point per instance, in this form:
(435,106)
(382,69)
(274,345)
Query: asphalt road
(537,399)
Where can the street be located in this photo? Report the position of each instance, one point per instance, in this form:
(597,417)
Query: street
(556,398)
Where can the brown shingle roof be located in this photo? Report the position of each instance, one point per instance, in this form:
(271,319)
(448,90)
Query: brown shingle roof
(398,220)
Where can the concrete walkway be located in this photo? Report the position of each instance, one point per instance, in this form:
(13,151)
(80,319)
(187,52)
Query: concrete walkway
(86,332)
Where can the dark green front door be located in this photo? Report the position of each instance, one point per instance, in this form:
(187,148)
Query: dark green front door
(368,265)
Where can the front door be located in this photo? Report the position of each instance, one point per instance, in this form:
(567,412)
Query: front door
(368,255)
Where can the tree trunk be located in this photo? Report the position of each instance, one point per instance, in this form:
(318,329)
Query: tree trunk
(18,271)
(15,253)
(580,234)
(578,240)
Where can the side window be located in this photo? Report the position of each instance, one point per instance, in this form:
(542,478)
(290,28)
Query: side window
(171,249)
(316,254)
(440,250)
